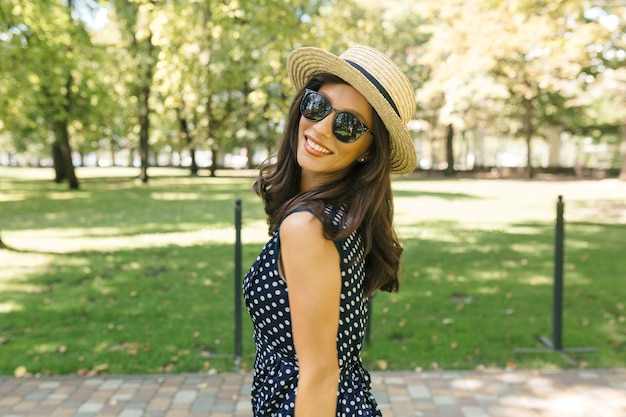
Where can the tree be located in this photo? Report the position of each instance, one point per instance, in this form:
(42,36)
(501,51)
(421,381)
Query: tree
(44,46)
(217,75)
(609,64)
(136,20)
(532,49)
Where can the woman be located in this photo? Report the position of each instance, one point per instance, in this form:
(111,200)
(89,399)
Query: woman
(329,204)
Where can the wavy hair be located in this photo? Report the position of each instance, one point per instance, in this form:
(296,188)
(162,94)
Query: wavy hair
(363,190)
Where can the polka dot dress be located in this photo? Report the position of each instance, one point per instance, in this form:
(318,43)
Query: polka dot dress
(275,380)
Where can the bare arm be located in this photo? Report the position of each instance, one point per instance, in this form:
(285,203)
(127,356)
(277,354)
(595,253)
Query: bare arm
(311,266)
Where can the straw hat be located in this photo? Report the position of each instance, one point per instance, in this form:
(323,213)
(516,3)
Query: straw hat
(378,79)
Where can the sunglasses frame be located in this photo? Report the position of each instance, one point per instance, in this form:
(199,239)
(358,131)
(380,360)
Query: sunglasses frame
(363,126)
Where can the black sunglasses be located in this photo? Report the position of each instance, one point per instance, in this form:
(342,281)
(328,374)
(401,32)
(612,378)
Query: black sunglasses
(346,126)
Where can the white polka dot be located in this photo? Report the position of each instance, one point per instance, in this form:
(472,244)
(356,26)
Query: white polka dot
(276,371)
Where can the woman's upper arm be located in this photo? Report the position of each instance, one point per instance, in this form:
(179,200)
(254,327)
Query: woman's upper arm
(311,267)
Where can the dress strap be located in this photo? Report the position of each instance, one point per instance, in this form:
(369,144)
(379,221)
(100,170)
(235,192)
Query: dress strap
(301,208)
(297,209)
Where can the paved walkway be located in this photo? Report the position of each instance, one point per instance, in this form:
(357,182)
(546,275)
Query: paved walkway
(575,393)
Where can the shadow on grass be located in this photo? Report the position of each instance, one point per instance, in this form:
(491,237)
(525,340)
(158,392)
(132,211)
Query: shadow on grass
(168,309)
(463,304)
(470,297)
(118,204)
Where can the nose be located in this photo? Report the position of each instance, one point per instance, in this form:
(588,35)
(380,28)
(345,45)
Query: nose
(325,126)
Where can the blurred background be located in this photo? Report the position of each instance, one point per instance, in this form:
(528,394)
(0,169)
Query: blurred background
(505,87)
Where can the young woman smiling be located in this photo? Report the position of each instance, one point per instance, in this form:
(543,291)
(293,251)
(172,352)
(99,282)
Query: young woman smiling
(330,210)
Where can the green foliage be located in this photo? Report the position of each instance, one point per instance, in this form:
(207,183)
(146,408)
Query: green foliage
(218,68)
(118,278)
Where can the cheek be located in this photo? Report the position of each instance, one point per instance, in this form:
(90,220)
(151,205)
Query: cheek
(303,124)
(364,145)
(351,151)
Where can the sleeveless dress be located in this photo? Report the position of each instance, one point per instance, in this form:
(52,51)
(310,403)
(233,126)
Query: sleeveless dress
(275,380)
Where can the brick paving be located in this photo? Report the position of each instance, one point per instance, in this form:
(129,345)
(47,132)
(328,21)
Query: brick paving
(569,393)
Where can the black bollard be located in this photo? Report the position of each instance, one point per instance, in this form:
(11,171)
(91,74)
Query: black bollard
(556,344)
(238,295)
(557,307)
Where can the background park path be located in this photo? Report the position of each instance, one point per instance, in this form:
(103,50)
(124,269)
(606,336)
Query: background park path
(493,393)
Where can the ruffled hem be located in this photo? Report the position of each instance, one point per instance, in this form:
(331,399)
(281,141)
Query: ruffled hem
(354,397)
(277,379)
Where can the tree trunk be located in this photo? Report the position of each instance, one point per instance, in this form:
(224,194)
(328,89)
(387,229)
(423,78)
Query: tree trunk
(61,127)
(57,160)
(212,145)
(184,131)
(144,132)
(146,67)
(528,133)
(213,166)
(63,138)
(450,151)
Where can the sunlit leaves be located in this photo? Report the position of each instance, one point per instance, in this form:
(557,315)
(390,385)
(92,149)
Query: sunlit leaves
(220,65)
(539,52)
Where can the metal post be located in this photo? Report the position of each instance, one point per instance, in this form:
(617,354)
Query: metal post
(556,344)
(238,295)
(557,307)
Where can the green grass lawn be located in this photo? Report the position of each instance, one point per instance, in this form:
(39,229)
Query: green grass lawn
(121,277)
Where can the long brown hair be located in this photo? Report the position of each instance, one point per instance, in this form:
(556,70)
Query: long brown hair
(363,190)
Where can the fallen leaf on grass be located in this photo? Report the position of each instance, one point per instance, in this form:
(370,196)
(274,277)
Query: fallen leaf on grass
(98,369)
(382,364)
(131,348)
(93,372)
(3,340)
(167,368)
(20,372)
(62,349)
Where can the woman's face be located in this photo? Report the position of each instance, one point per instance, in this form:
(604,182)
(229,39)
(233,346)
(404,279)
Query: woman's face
(320,154)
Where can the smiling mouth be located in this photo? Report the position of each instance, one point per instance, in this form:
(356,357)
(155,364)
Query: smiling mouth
(317,147)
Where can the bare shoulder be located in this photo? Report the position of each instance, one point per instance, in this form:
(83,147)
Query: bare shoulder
(299,225)
(304,248)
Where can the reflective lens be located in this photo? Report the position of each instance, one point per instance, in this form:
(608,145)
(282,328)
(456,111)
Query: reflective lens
(346,126)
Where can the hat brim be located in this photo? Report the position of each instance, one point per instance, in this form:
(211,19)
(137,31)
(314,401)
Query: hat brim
(303,63)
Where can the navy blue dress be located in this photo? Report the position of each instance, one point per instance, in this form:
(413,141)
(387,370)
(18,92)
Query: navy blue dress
(275,379)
